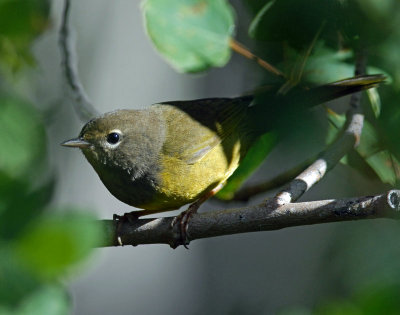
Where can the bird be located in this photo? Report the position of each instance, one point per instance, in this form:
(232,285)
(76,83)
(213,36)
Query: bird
(182,152)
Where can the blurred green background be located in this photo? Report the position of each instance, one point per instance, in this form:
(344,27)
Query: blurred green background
(49,196)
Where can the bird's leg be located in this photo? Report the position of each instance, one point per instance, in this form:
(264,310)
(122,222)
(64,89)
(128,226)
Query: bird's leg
(185,216)
(126,217)
(120,220)
(134,215)
(129,217)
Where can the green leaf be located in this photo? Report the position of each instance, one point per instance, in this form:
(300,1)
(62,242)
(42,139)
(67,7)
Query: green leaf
(375,101)
(20,204)
(381,161)
(336,122)
(390,58)
(5,311)
(281,21)
(22,138)
(21,21)
(374,300)
(258,18)
(328,65)
(338,307)
(378,8)
(385,166)
(15,280)
(49,299)
(379,299)
(389,127)
(369,142)
(51,245)
(253,159)
(192,35)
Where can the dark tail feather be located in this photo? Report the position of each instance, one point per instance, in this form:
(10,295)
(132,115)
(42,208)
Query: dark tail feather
(334,90)
(272,109)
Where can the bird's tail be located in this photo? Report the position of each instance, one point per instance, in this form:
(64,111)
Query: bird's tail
(334,90)
(271,108)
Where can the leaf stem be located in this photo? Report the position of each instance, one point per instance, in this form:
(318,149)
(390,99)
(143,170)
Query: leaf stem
(242,50)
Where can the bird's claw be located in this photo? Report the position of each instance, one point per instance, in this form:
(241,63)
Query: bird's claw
(130,217)
(183,220)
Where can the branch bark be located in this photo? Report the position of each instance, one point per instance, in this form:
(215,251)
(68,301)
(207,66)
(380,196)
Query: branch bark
(82,105)
(251,219)
(245,193)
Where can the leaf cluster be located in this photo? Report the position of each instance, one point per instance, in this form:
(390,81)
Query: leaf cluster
(39,244)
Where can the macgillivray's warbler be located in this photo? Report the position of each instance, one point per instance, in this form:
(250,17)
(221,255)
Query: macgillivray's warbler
(174,153)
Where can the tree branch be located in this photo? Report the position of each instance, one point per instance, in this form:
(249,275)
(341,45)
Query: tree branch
(245,193)
(81,102)
(252,219)
(347,139)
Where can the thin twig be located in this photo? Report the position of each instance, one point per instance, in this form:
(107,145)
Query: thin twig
(347,139)
(240,49)
(252,219)
(245,193)
(81,102)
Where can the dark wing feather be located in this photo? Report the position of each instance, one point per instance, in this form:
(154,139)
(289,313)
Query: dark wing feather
(200,125)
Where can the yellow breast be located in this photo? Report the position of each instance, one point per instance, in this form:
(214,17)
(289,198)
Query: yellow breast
(182,183)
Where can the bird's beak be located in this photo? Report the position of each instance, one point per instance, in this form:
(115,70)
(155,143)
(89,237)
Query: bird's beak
(76,143)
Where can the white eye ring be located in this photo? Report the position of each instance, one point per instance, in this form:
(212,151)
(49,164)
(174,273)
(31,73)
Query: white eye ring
(114,138)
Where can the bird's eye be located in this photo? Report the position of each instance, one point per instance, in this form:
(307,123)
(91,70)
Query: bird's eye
(113,137)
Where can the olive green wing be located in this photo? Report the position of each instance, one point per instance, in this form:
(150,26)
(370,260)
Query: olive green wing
(196,127)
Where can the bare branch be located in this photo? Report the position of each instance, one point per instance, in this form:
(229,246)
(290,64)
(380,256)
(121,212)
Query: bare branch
(252,219)
(81,102)
(347,139)
(245,193)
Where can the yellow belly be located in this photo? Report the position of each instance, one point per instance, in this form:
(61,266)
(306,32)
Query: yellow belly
(182,183)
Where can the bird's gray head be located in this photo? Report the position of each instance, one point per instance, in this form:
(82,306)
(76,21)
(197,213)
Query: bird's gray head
(121,139)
